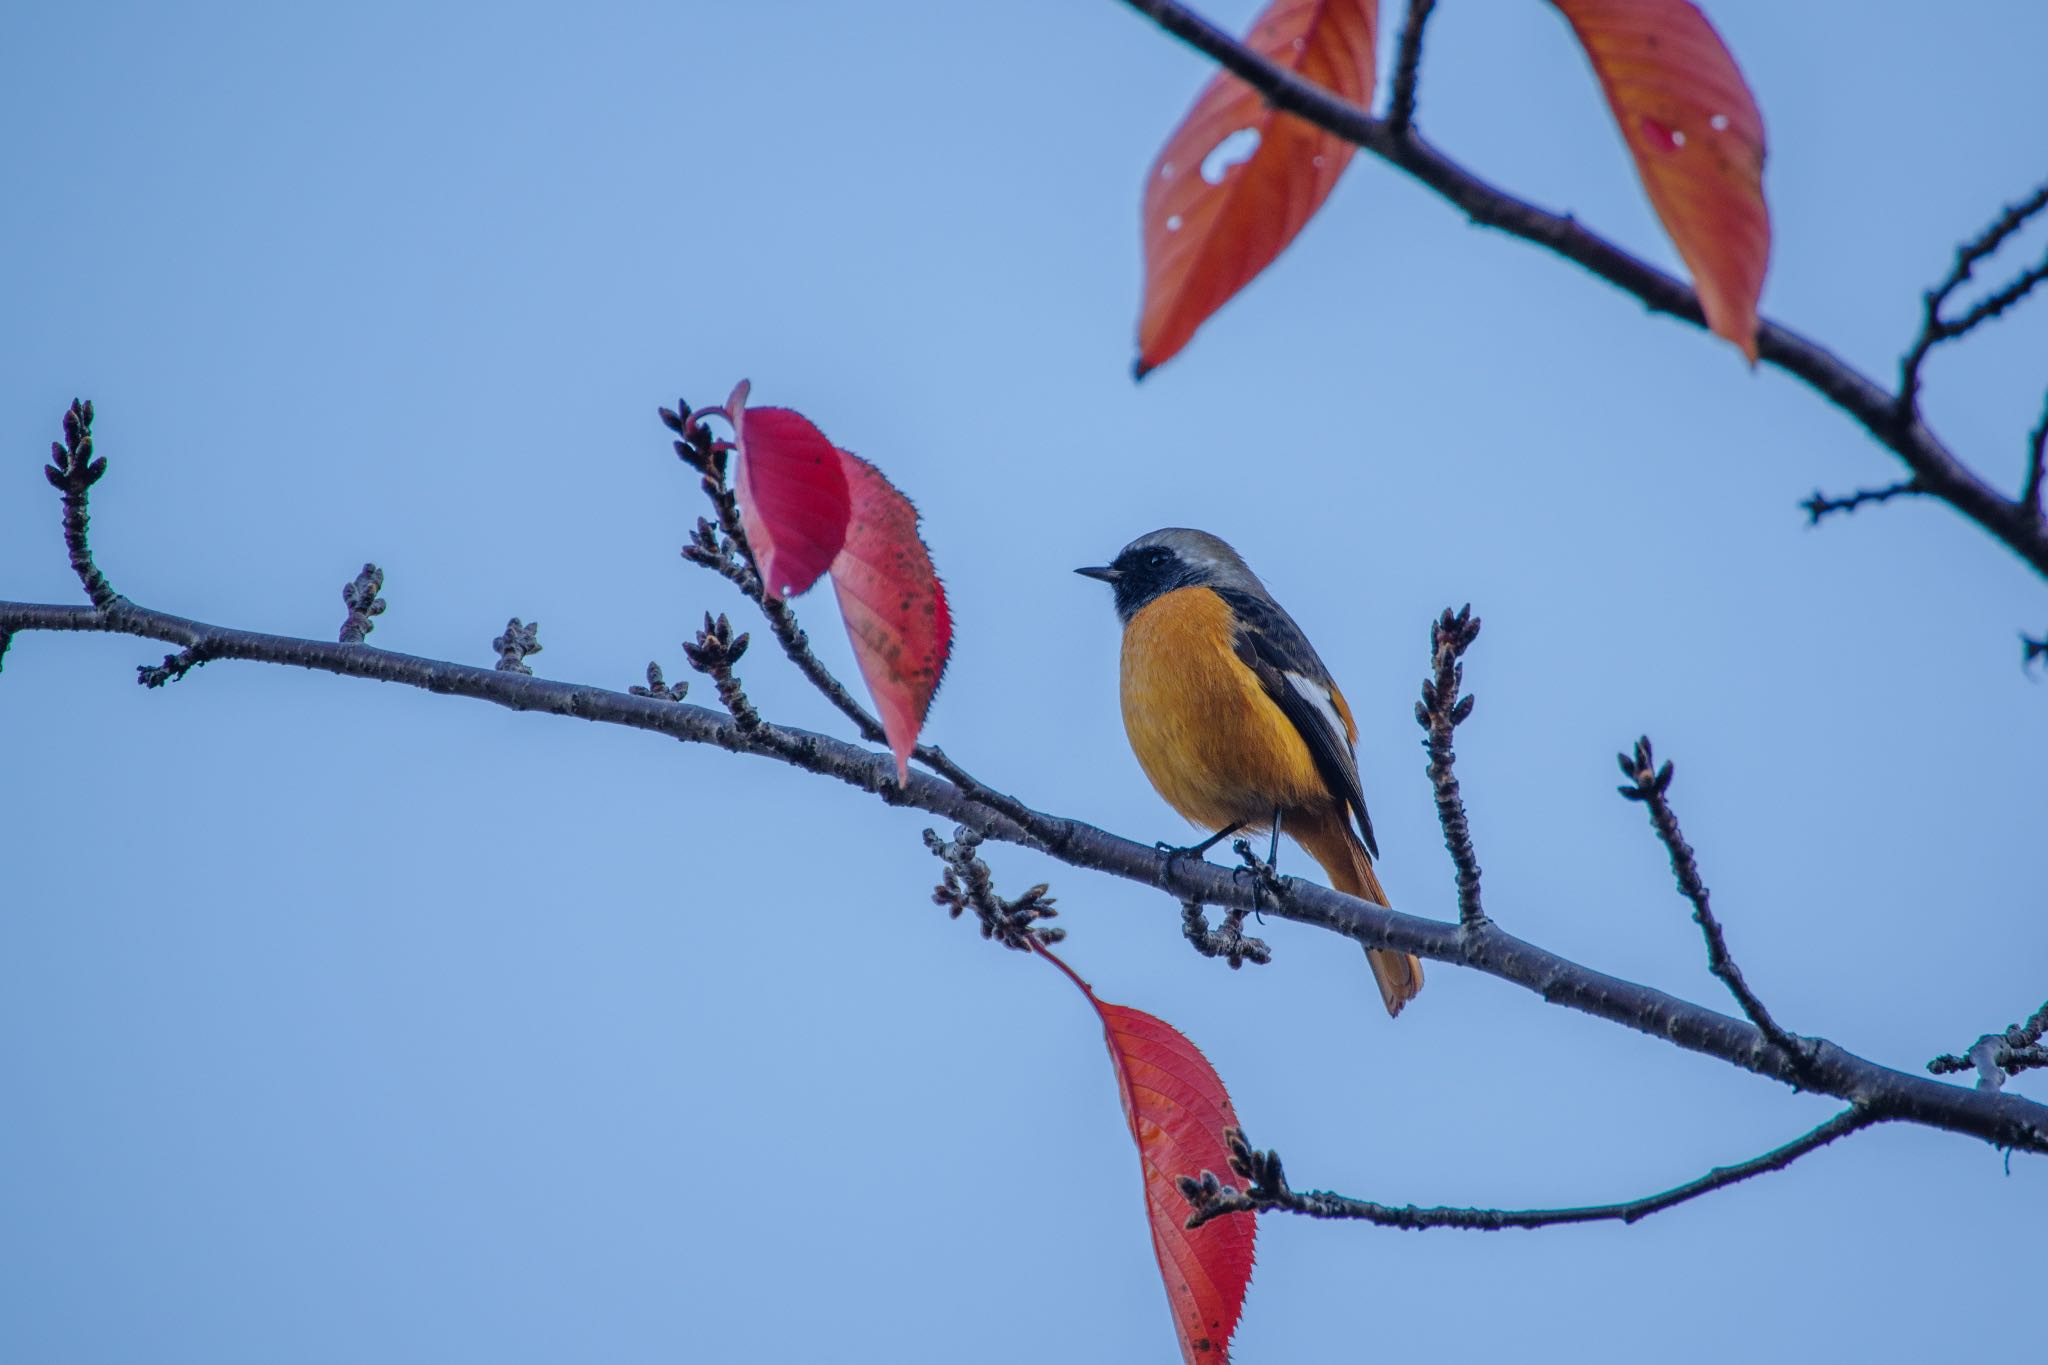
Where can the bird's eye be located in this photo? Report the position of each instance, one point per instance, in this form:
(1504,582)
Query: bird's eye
(1158,557)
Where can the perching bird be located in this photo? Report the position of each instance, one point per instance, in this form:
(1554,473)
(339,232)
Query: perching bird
(1236,720)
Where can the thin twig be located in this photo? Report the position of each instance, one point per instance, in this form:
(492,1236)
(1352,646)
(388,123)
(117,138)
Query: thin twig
(1821,505)
(2037,454)
(1407,68)
(1268,1189)
(1228,941)
(1440,712)
(73,471)
(1649,785)
(713,653)
(970,885)
(1934,329)
(1996,1057)
(360,596)
(520,639)
(1876,409)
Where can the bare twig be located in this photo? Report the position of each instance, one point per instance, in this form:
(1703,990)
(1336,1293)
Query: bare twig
(1997,1057)
(1407,67)
(174,666)
(1934,329)
(969,885)
(73,471)
(713,653)
(1648,784)
(2037,455)
(1227,941)
(359,595)
(1267,1188)
(1821,505)
(519,640)
(1873,407)
(660,687)
(1440,712)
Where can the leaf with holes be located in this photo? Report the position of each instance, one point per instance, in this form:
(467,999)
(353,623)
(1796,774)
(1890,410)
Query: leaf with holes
(894,605)
(1698,142)
(792,494)
(1237,180)
(1177,1109)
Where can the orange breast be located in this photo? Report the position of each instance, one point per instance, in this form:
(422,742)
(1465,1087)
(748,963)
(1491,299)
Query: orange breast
(1216,747)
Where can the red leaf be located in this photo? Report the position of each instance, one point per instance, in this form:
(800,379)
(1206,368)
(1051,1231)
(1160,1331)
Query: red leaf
(1698,141)
(1209,225)
(792,494)
(1177,1109)
(894,605)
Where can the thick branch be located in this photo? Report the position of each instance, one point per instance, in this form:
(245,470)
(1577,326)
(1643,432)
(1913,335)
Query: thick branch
(1269,1189)
(2005,1120)
(1873,407)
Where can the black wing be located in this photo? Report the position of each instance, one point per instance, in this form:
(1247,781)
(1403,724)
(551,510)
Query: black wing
(1273,647)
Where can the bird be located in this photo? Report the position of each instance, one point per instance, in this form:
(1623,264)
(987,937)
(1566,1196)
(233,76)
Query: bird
(1236,720)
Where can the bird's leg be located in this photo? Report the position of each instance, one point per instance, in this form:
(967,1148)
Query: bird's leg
(1197,850)
(1262,872)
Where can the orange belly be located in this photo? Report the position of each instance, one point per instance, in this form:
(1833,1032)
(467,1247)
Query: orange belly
(1214,744)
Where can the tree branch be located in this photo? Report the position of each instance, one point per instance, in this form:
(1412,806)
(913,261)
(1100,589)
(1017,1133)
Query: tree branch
(1874,408)
(1268,1189)
(1648,784)
(1408,67)
(2005,1120)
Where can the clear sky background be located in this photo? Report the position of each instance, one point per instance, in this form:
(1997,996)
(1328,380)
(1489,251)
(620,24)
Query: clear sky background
(342,1022)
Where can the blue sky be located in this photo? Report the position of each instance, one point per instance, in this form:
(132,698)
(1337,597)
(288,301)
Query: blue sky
(340,1022)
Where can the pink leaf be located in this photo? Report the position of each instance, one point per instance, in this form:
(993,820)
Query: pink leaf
(894,605)
(792,494)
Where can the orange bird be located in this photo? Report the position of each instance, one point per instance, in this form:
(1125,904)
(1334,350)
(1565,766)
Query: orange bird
(1236,720)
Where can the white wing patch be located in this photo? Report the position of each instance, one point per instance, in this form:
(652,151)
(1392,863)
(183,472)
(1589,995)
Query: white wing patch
(1318,696)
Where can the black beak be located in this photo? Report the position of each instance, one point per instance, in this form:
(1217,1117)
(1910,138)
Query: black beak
(1105,573)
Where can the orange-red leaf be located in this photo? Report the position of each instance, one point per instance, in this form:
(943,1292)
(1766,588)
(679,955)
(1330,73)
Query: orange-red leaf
(894,605)
(1698,141)
(792,494)
(1177,1109)
(1209,226)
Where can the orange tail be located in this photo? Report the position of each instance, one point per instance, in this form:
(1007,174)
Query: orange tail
(1331,842)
